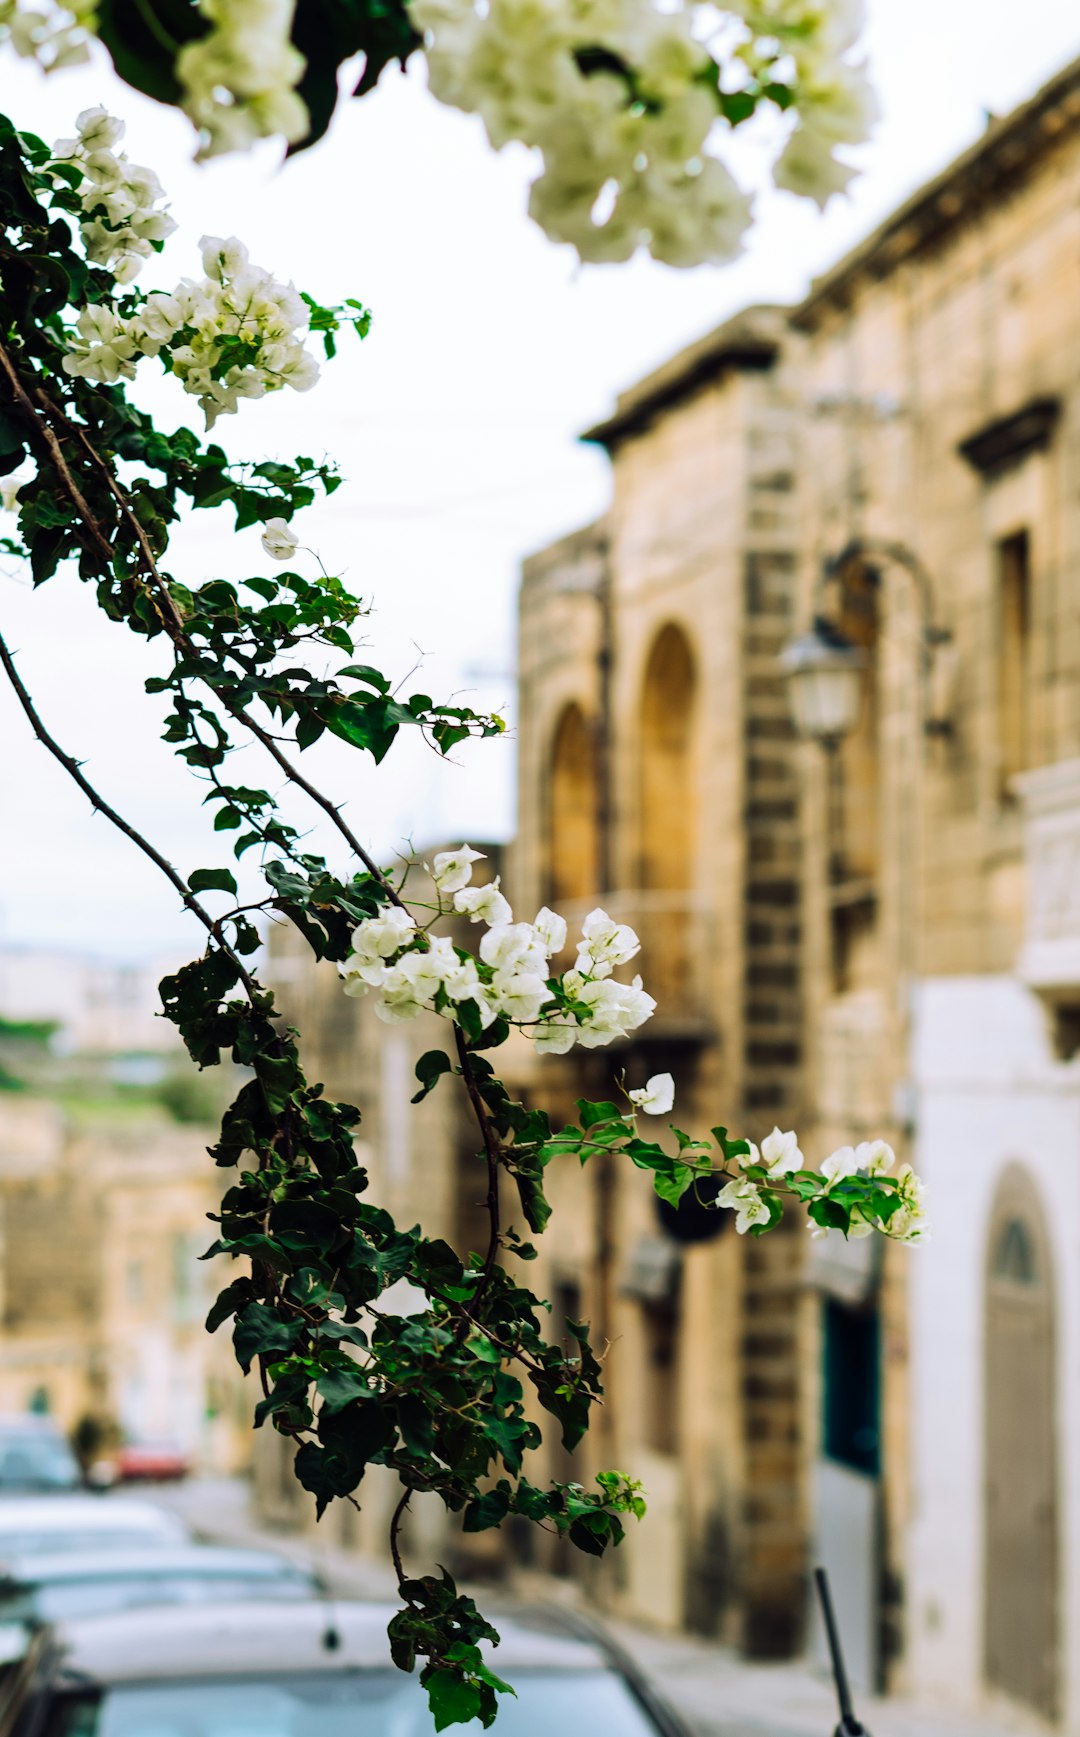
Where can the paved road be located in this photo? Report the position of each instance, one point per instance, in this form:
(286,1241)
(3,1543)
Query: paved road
(719,1694)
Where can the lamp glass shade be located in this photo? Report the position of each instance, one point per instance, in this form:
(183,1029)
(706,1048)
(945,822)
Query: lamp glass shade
(824,681)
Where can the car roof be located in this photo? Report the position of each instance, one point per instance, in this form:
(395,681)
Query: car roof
(38,1568)
(316,1635)
(59,1513)
(29,1423)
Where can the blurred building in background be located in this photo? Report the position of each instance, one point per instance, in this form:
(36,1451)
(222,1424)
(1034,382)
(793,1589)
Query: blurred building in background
(658,780)
(94,1005)
(105,1188)
(942,452)
(875,935)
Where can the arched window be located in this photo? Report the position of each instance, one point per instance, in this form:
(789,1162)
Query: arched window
(1014,1256)
(668,806)
(1021,1633)
(573,811)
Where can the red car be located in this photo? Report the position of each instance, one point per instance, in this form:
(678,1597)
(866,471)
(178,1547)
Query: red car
(151,1462)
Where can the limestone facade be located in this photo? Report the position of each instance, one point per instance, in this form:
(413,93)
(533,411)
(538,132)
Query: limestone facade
(888,944)
(940,363)
(102,1293)
(658,779)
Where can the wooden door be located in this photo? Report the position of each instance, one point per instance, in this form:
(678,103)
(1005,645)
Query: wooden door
(1021,1654)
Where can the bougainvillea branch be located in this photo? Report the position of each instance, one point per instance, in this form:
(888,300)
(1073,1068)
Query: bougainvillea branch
(437,1396)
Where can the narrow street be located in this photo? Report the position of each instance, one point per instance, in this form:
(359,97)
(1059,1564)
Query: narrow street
(717,1693)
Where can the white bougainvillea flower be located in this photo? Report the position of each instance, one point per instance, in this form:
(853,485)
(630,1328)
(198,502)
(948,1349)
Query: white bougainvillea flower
(656,1097)
(452,869)
(550,931)
(239,80)
(9,490)
(279,539)
(604,944)
(839,1165)
(780,1153)
(743,1197)
(876,1157)
(484,905)
(514,947)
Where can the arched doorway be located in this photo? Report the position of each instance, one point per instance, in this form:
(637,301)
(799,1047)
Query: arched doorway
(668,795)
(1021,1654)
(572,811)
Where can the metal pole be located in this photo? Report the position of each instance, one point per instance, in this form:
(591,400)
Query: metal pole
(849,1726)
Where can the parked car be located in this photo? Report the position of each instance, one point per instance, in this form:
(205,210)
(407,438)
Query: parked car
(288,1670)
(57,1587)
(35,1456)
(151,1461)
(78,1522)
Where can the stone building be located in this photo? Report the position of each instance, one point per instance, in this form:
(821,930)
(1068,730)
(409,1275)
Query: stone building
(658,779)
(940,363)
(883,939)
(102,1294)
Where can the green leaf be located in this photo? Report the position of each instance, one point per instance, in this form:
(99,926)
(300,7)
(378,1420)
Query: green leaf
(453,1700)
(212,880)
(431,1067)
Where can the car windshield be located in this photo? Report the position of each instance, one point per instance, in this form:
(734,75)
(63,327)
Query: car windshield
(31,1462)
(388,1704)
(62,1600)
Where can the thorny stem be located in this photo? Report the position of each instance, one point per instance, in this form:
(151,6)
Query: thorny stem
(395,1529)
(493,1154)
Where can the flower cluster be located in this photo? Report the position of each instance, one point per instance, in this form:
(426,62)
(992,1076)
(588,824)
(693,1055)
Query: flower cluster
(239,81)
(416,971)
(779,1159)
(53,35)
(122,224)
(235,334)
(622,97)
(836,104)
(616,97)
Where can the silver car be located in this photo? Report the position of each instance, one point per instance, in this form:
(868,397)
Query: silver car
(314,1669)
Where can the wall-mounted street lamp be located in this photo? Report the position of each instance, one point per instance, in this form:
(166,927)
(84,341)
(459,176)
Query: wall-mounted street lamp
(824,673)
(824,683)
(823,668)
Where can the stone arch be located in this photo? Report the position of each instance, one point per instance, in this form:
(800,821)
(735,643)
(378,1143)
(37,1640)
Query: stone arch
(573,817)
(668,805)
(1021,1650)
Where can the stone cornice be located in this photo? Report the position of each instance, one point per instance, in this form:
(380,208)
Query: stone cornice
(749,342)
(1004,154)
(1008,439)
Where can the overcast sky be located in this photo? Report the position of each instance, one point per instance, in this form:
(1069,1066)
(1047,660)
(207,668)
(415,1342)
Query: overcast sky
(455,425)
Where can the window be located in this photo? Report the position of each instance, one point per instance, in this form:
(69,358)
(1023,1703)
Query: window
(1014,683)
(573,811)
(852,1352)
(1014,1256)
